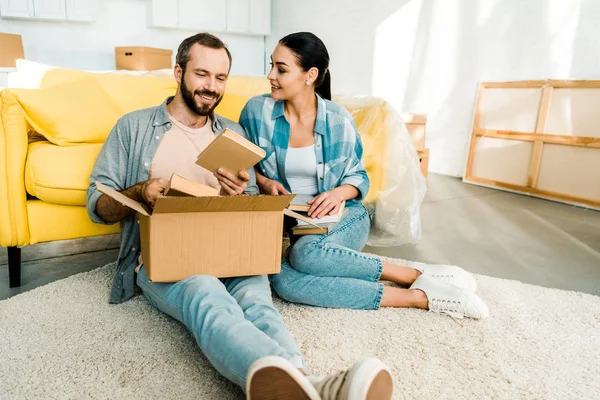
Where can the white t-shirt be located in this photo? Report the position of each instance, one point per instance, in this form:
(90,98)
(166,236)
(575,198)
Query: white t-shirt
(301,170)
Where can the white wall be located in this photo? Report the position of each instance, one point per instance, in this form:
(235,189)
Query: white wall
(427,56)
(118,23)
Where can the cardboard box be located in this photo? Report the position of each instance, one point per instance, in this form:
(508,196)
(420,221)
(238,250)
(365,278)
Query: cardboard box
(424,162)
(416,123)
(11,49)
(214,235)
(143,58)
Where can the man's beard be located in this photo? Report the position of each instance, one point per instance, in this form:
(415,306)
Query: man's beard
(200,109)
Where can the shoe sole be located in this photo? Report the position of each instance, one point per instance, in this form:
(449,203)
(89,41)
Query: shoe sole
(381,385)
(273,378)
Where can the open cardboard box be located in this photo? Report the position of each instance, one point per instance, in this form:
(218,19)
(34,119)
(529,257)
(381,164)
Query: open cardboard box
(214,235)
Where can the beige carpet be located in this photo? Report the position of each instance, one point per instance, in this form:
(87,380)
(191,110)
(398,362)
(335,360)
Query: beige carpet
(64,341)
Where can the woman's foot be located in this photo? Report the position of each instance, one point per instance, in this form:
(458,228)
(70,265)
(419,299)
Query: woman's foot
(445,298)
(448,273)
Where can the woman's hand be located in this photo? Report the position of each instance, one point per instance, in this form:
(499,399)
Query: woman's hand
(272,187)
(326,203)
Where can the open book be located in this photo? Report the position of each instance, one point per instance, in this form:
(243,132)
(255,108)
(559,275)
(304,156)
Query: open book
(325,224)
(230,151)
(180,186)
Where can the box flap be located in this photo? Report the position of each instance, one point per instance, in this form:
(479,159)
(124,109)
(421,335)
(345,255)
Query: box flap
(166,205)
(121,198)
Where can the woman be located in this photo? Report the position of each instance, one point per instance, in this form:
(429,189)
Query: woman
(313,148)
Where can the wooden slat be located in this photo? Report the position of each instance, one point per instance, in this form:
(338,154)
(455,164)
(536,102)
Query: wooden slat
(514,85)
(581,84)
(538,145)
(536,192)
(555,83)
(579,141)
(476,122)
(539,138)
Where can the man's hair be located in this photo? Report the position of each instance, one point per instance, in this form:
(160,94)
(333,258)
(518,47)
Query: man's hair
(204,39)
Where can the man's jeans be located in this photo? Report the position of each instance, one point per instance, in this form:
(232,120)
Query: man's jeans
(329,270)
(233,320)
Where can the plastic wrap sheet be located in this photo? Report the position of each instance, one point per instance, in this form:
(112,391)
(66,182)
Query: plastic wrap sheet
(397,185)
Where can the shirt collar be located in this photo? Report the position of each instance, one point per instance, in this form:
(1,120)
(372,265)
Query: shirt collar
(320,123)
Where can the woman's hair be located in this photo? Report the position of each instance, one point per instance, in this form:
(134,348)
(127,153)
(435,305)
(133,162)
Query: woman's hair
(311,52)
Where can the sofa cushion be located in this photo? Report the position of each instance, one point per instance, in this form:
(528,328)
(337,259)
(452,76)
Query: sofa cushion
(74,112)
(60,174)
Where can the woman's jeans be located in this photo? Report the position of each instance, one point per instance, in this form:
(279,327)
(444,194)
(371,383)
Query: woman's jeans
(233,320)
(329,271)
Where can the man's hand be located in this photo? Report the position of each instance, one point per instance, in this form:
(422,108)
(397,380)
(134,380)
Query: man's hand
(326,203)
(272,187)
(152,189)
(232,185)
(110,210)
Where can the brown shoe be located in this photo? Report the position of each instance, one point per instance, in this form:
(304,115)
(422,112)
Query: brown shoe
(274,378)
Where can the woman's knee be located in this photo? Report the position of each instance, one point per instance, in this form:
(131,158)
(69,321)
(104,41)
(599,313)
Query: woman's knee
(283,284)
(306,257)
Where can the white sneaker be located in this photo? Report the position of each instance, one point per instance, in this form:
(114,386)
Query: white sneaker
(448,273)
(275,378)
(369,379)
(449,299)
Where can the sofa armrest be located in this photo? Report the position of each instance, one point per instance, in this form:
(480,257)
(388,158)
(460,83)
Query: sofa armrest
(14,226)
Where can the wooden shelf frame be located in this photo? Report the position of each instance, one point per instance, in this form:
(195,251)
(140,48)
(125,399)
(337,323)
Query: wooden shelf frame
(539,137)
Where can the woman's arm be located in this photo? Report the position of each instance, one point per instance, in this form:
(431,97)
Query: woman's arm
(269,186)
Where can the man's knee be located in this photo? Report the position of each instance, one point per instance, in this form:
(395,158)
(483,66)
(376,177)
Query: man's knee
(202,285)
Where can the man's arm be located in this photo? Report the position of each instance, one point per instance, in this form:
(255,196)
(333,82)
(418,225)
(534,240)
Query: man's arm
(110,210)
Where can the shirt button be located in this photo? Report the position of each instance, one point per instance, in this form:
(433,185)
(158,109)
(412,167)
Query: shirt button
(318,146)
(321,178)
(157,137)
(133,249)
(146,164)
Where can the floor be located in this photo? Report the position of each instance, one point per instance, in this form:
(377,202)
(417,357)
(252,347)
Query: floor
(483,230)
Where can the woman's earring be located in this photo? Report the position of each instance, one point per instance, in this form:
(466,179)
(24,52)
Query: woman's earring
(307,82)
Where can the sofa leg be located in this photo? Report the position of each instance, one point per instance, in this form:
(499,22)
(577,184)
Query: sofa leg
(14,266)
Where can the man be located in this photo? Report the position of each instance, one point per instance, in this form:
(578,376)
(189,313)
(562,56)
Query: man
(233,320)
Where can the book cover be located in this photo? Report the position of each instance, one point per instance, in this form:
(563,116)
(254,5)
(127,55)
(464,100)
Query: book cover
(300,203)
(180,186)
(230,151)
(325,224)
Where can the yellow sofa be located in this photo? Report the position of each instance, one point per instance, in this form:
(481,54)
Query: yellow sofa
(50,138)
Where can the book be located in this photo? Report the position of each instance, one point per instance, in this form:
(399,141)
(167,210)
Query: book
(230,151)
(306,226)
(300,203)
(180,186)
